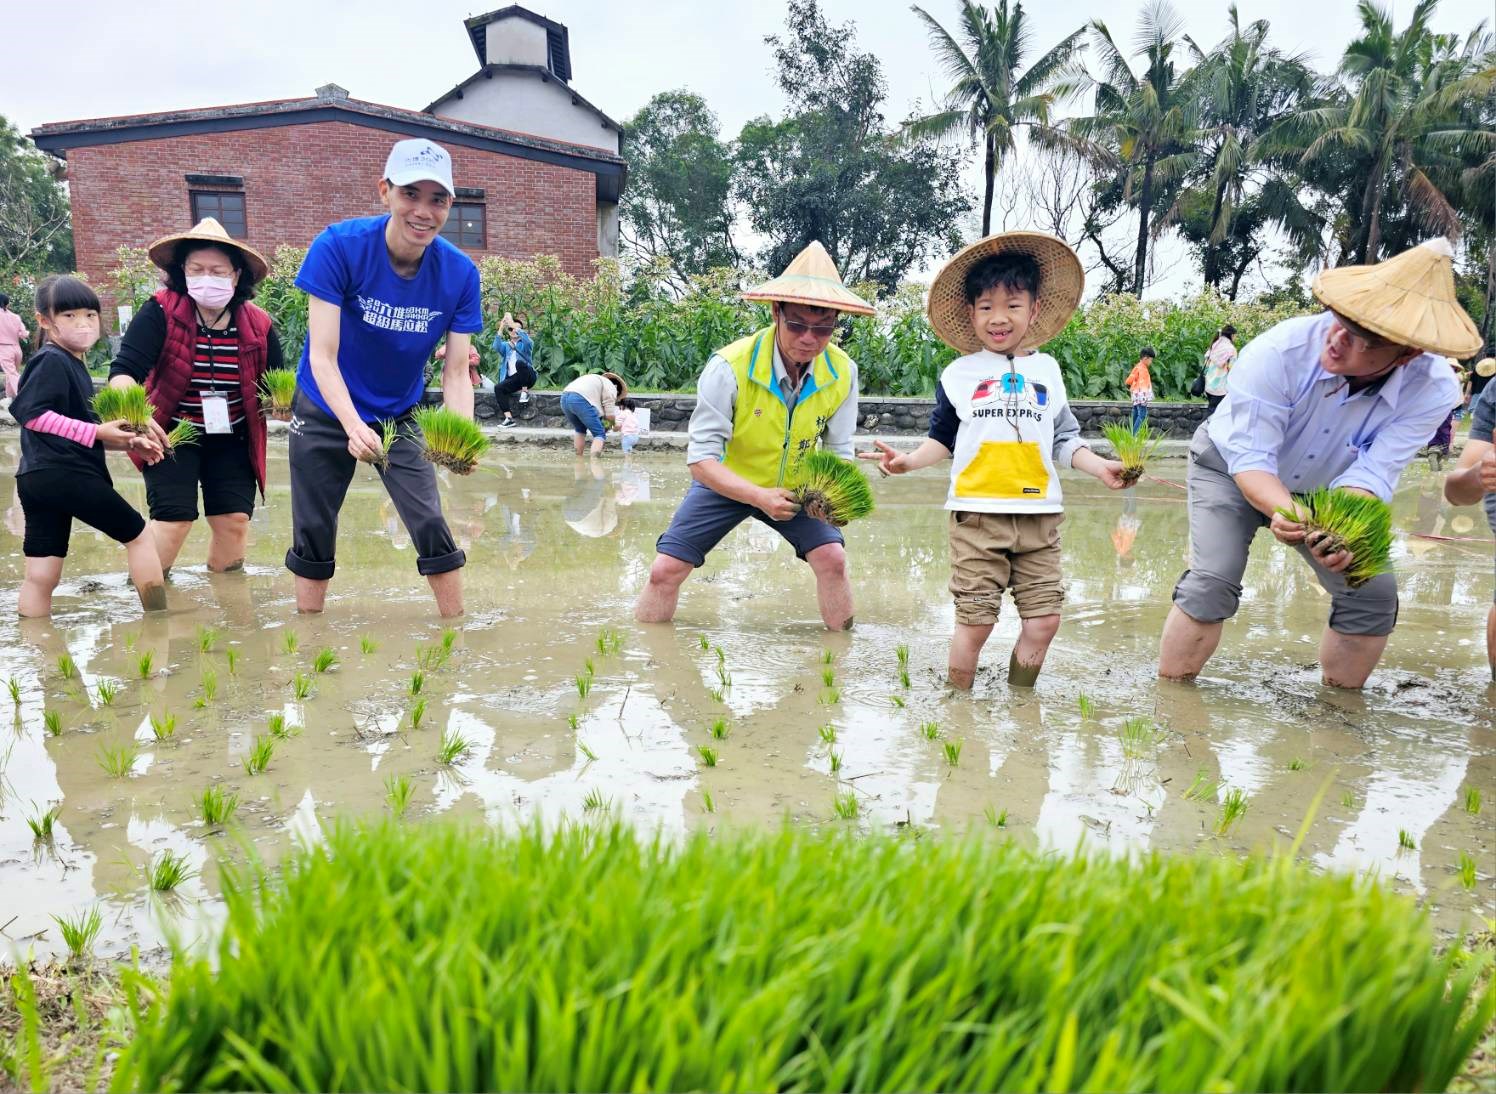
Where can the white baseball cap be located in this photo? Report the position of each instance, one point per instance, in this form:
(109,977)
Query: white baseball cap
(419,160)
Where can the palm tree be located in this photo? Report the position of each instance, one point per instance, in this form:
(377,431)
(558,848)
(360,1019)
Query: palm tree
(1144,123)
(994,95)
(1402,125)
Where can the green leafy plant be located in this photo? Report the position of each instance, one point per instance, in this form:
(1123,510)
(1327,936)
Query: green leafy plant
(43,823)
(128,405)
(367,644)
(1087,707)
(145,664)
(902,653)
(389,433)
(828,733)
(828,677)
(231,658)
(1233,808)
(1139,737)
(585,751)
(119,761)
(1201,788)
(279,387)
(163,728)
(930,730)
(1405,841)
(952,751)
(257,759)
(1466,870)
(14,687)
(584,684)
(832,489)
(1134,450)
(79,931)
(417,713)
(289,642)
(573,722)
(705,645)
(846,805)
(1472,800)
(831,696)
(325,660)
(708,802)
(998,818)
(182,434)
(217,806)
(834,758)
(715,694)
(209,681)
(108,692)
(66,666)
(708,755)
(301,686)
(398,791)
(277,726)
(449,639)
(207,639)
(1348,521)
(904,678)
(451,440)
(417,683)
(718,729)
(453,749)
(1348,799)
(168,871)
(1296,764)
(590,667)
(594,802)
(52,722)
(898,701)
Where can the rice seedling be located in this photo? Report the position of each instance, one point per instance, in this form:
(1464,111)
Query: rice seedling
(584,684)
(573,721)
(1472,800)
(164,727)
(1350,522)
(231,657)
(594,802)
(846,805)
(127,405)
(952,751)
(367,644)
(724,678)
(585,751)
(108,691)
(1201,788)
(708,755)
(1348,799)
(898,701)
(279,387)
(417,713)
(325,660)
(828,677)
(168,871)
(449,639)
(52,722)
(398,790)
(451,441)
(708,802)
(930,730)
(43,823)
(589,666)
(118,762)
(1405,841)
(430,658)
(209,681)
(902,653)
(705,645)
(289,642)
(389,432)
(835,759)
(145,664)
(998,818)
(852,917)
(14,687)
(715,694)
(831,696)
(609,641)
(1134,450)
(257,759)
(454,748)
(1466,870)
(80,931)
(1087,707)
(1233,808)
(207,639)
(832,489)
(217,806)
(721,656)
(301,686)
(1296,764)
(828,734)
(66,666)
(181,435)
(904,679)
(130,643)
(1139,737)
(277,726)
(718,729)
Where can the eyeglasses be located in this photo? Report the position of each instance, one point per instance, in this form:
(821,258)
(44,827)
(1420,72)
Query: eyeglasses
(795,326)
(1365,340)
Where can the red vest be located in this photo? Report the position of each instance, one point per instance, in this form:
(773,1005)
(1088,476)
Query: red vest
(169,380)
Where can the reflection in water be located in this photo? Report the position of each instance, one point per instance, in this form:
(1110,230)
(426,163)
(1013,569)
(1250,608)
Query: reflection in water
(557,550)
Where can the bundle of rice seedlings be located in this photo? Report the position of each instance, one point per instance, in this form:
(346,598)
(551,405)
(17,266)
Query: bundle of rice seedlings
(128,405)
(452,441)
(1350,522)
(832,489)
(279,386)
(389,433)
(1133,449)
(183,433)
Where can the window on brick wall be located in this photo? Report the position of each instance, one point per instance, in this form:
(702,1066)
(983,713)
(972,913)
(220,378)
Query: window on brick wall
(226,208)
(465,226)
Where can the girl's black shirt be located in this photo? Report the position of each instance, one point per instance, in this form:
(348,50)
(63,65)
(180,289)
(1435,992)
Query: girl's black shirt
(56,380)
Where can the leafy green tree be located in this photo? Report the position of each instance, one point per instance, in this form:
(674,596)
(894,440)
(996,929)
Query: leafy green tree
(832,171)
(993,95)
(677,205)
(36,232)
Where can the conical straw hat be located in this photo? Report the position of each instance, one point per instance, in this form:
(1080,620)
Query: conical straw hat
(1408,299)
(1061,281)
(811,279)
(208,230)
(1486,367)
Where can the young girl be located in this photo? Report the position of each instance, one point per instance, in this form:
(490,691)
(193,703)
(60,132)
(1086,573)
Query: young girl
(62,473)
(628,424)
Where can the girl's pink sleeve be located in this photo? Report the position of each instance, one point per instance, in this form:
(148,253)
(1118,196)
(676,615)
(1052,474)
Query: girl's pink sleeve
(73,429)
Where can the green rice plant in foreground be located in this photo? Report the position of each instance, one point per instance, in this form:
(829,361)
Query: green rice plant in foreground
(585,751)
(904,678)
(168,870)
(182,434)
(389,433)
(828,677)
(930,730)
(163,728)
(1472,800)
(708,755)
(705,645)
(108,691)
(325,660)
(398,790)
(952,751)
(66,666)
(718,729)
(454,748)
(902,653)
(52,722)
(209,680)
(1466,870)
(231,657)
(866,964)
(144,664)
(125,404)
(258,757)
(120,761)
(1134,450)
(451,440)
(42,824)
(417,683)
(1350,521)
(367,645)
(217,805)
(1139,737)
(846,805)
(1086,705)
(289,642)
(79,931)
(1348,799)
(1233,808)
(279,385)
(277,727)
(584,684)
(832,489)
(1405,841)
(449,639)
(834,759)
(207,639)
(14,687)
(715,694)
(301,685)
(828,733)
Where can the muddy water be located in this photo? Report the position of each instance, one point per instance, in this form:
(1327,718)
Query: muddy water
(555,558)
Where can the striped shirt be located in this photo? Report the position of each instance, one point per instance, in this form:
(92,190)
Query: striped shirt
(215,371)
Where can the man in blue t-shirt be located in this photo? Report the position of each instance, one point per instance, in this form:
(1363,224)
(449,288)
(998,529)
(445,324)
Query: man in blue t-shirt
(384,291)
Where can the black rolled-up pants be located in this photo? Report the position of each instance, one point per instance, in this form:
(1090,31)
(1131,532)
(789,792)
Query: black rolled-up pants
(503,393)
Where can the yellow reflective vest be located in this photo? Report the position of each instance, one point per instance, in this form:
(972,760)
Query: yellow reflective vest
(768,439)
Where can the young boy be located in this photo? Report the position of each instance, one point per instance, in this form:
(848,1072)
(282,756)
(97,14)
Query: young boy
(1004,416)
(1140,382)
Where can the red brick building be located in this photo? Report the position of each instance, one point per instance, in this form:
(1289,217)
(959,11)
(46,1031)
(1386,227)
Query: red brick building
(279,172)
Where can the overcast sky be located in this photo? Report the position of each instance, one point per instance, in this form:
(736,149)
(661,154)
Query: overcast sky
(116,58)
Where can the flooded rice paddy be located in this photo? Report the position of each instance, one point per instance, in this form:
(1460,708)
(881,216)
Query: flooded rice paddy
(813,722)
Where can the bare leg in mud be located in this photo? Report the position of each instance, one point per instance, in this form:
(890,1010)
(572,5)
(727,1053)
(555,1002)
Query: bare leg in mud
(966,648)
(661,593)
(1346,660)
(1027,658)
(1187,644)
(833,586)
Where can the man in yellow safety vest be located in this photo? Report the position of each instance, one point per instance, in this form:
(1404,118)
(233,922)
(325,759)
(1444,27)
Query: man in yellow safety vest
(762,403)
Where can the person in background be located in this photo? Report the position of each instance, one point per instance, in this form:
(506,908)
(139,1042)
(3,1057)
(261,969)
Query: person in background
(1218,360)
(1140,382)
(627,421)
(1474,479)
(520,373)
(12,338)
(588,402)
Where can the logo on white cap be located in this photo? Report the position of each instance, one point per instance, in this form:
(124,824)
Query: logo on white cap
(419,160)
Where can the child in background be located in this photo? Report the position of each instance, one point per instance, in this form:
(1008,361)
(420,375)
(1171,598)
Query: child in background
(62,474)
(1140,382)
(628,424)
(1003,415)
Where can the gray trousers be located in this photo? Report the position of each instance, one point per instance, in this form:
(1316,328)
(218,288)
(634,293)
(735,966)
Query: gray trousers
(1222,525)
(322,468)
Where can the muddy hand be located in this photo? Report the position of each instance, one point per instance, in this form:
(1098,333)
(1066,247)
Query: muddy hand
(778,503)
(1336,560)
(1287,531)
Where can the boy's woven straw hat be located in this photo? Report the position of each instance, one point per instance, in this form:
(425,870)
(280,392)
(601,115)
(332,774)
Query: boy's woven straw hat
(208,230)
(1408,299)
(1061,281)
(811,279)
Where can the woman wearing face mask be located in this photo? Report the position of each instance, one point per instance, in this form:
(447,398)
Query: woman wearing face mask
(200,348)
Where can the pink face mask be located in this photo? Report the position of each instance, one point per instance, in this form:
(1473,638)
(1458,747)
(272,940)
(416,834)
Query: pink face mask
(211,292)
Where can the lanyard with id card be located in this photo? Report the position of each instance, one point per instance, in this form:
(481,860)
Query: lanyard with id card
(215,406)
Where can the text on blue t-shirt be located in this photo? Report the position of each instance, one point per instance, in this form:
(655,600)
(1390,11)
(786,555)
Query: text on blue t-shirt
(390,324)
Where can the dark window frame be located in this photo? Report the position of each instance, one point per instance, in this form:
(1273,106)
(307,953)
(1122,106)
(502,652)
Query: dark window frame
(452,230)
(195,196)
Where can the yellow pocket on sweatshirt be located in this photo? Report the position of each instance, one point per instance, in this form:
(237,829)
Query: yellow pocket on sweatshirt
(1005,469)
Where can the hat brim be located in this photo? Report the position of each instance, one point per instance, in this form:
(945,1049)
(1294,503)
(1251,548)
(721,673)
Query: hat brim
(164,249)
(813,292)
(422,176)
(1061,283)
(1398,313)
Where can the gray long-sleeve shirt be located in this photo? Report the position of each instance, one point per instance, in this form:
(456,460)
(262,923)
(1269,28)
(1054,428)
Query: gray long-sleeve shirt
(717,396)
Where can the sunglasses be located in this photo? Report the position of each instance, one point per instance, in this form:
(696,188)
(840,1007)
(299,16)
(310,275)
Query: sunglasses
(795,326)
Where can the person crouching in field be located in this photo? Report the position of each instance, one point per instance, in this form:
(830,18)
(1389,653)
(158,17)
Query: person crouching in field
(1002,413)
(62,474)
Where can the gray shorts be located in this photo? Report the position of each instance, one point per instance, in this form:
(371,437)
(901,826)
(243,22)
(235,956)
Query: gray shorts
(1222,524)
(705,516)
